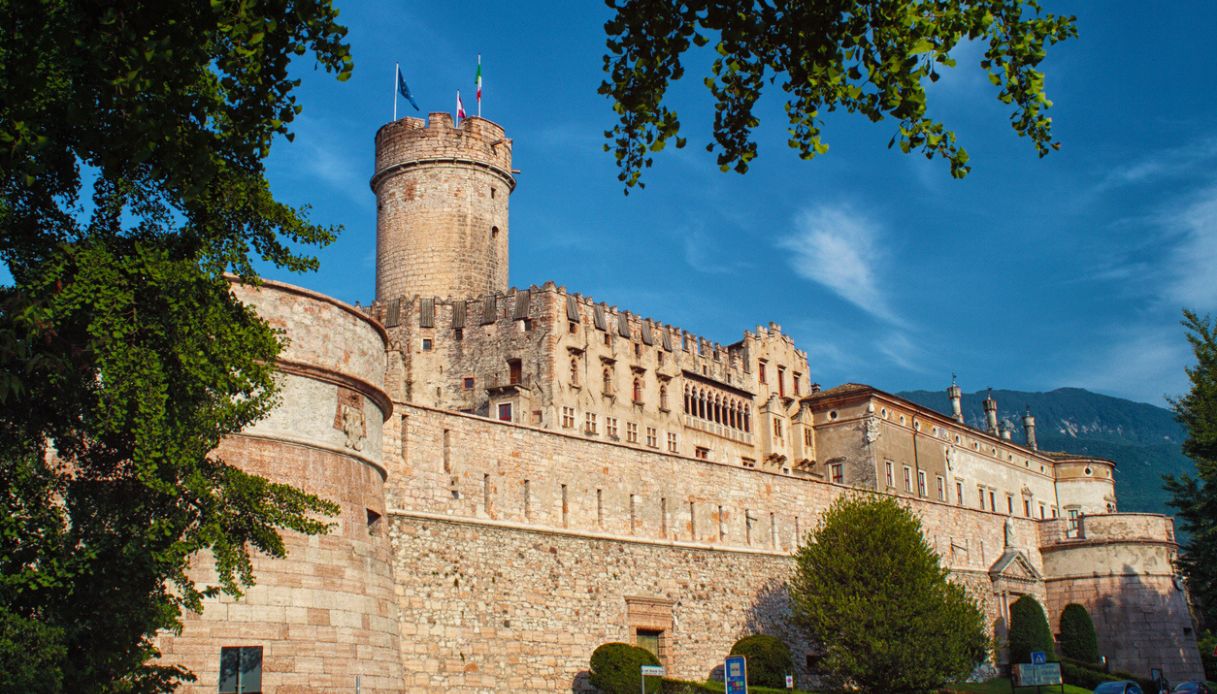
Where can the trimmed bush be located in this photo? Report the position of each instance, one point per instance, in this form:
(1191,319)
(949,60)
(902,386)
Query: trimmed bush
(616,669)
(769,659)
(1029,631)
(1078,640)
(1207,643)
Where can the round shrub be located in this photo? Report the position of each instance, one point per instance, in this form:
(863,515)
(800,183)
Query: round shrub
(769,660)
(616,669)
(1078,640)
(1029,631)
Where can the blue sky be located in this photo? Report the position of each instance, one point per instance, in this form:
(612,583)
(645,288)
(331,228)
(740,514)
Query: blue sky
(1030,274)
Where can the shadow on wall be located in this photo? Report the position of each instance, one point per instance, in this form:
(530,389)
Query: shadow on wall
(770,613)
(582,684)
(1142,626)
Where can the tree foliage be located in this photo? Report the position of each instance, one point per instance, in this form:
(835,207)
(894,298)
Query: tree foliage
(769,659)
(1195,498)
(1029,631)
(132,136)
(861,56)
(871,591)
(1078,638)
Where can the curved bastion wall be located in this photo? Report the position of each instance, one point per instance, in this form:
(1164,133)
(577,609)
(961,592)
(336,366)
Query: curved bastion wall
(325,616)
(1121,568)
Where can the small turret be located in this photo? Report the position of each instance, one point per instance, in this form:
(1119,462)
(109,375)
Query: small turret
(1007,431)
(1029,427)
(956,396)
(991,414)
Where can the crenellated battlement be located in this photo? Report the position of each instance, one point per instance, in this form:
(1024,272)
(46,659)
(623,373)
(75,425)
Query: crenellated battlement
(410,141)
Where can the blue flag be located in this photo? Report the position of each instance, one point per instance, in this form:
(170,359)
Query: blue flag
(405,89)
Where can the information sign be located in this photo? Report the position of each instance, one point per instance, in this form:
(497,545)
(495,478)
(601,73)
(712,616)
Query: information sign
(1033,675)
(735,675)
(790,681)
(652,671)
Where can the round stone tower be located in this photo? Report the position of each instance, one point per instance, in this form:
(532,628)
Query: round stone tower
(441,207)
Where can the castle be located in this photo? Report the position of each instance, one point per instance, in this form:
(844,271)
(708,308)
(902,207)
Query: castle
(527,473)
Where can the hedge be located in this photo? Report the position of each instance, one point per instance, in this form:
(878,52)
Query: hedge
(1029,631)
(1078,640)
(769,660)
(616,668)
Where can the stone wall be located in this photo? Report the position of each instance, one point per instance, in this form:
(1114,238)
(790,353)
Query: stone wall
(325,616)
(441,195)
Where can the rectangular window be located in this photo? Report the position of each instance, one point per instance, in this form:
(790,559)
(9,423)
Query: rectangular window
(836,472)
(908,479)
(807,437)
(993,501)
(648,640)
(746,462)
(568,417)
(795,382)
(980,493)
(921,486)
(505,412)
(458,334)
(671,442)
(589,423)
(1027,507)
(631,432)
(777,429)
(701,453)
(638,349)
(610,426)
(942,488)
(782,381)
(760,372)
(890,474)
(241,670)
(467,383)
(426,344)
(1042,510)
(1010,503)
(652,437)
(959,493)
(573,327)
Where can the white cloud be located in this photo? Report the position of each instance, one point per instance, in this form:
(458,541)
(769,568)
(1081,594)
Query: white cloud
(1162,164)
(1191,264)
(838,248)
(318,154)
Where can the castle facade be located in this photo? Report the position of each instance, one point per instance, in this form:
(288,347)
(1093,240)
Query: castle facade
(527,473)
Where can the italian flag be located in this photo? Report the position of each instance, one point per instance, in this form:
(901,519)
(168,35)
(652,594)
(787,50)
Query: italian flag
(478,81)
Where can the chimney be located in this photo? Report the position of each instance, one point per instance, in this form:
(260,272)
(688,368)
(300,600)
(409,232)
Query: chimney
(991,414)
(1029,426)
(1007,431)
(955,394)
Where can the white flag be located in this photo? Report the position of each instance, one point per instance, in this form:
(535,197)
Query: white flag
(460,107)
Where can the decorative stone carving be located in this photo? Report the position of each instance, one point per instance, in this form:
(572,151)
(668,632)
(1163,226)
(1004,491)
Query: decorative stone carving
(871,433)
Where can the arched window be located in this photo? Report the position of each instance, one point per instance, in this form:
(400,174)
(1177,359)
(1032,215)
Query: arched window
(637,389)
(701,403)
(718,410)
(688,401)
(574,371)
(663,397)
(733,416)
(608,381)
(747,418)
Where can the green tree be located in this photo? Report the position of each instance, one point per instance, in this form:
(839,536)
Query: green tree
(871,58)
(132,136)
(1194,497)
(871,591)
(1029,631)
(1078,638)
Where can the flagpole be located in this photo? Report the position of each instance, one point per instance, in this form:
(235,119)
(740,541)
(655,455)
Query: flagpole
(479,85)
(396,72)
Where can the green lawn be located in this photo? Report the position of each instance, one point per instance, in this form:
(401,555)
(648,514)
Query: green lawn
(1002,686)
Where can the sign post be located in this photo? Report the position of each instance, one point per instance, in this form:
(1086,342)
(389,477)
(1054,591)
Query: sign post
(735,675)
(790,681)
(649,671)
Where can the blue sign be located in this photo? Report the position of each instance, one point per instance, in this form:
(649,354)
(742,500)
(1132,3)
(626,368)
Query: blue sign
(1038,657)
(735,675)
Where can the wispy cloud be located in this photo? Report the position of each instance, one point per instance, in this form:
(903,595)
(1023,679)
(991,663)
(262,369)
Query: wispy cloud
(1190,264)
(318,154)
(1140,362)
(704,255)
(839,248)
(1165,163)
